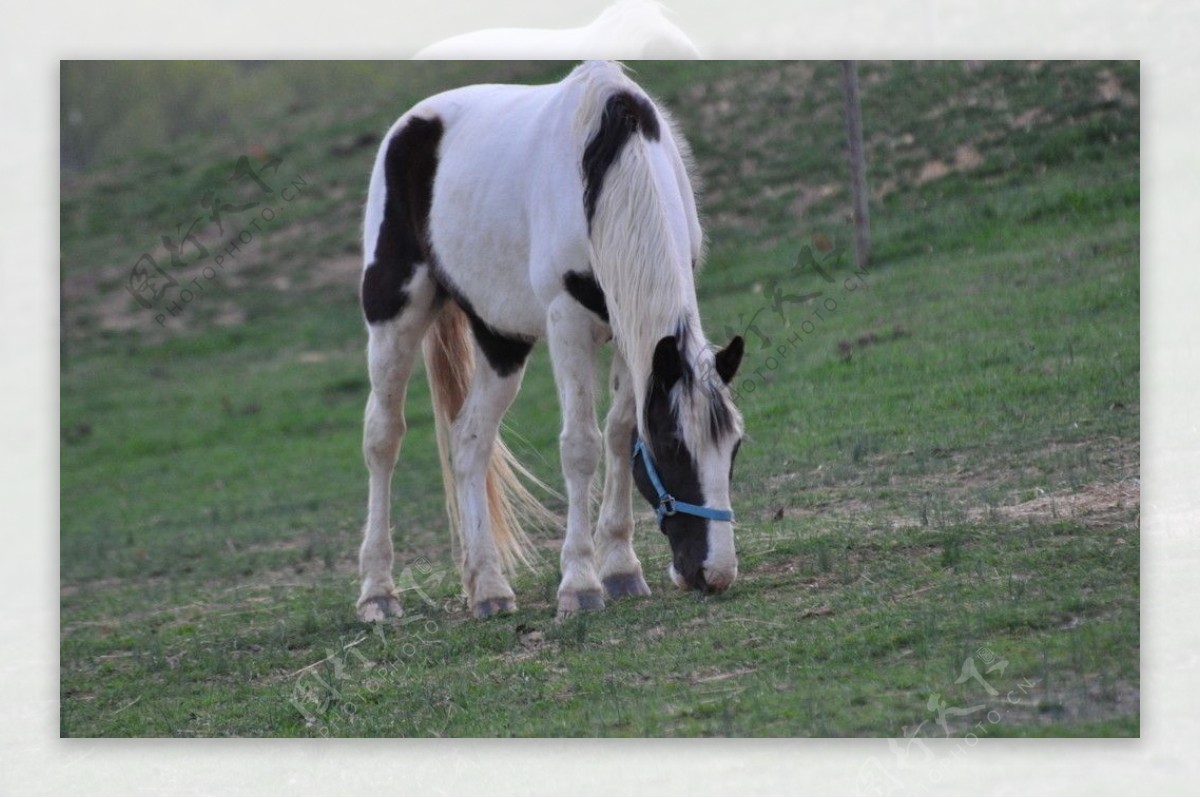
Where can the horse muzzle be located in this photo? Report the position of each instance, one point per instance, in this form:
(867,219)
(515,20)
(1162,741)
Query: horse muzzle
(709,579)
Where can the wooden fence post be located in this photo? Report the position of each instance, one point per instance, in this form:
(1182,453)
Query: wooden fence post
(858,166)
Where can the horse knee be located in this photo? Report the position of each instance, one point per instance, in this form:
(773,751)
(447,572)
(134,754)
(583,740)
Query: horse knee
(383,430)
(616,435)
(580,450)
(621,420)
(466,454)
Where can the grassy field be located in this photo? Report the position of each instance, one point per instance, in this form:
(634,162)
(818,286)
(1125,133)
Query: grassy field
(938,500)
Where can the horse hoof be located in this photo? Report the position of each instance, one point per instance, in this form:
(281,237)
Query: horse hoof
(489,607)
(570,601)
(622,585)
(379,608)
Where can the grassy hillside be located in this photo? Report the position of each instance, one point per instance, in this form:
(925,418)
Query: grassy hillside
(938,502)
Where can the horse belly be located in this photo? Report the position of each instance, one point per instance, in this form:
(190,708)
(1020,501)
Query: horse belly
(480,237)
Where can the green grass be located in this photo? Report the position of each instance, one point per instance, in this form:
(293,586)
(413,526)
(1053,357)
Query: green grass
(942,459)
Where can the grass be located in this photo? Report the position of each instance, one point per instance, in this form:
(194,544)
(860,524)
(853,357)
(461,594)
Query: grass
(942,462)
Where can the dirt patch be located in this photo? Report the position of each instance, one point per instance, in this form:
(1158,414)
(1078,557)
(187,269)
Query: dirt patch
(932,170)
(847,348)
(69,589)
(953,493)
(1028,118)
(1110,90)
(103,295)
(885,187)
(841,509)
(966,158)
(1099,502)
(707,677)
(1026,701)
(350,145)
(230,315)
(811,195)
(343,271)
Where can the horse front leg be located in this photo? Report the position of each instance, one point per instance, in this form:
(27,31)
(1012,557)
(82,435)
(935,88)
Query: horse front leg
(620,570)
(573,338)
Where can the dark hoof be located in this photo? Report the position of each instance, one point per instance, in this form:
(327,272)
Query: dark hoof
(379,608)
(622,585)
(489,607)
(575,601)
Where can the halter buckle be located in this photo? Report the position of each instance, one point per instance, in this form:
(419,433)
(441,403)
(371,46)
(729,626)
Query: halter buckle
(667,504)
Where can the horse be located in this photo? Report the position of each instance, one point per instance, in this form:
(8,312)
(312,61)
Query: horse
(626,29)
(499,215)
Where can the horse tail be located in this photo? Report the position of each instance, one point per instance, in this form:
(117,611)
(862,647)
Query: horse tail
(450,363)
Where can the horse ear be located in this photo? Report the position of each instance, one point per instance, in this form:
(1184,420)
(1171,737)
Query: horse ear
(667,366)
(729,358)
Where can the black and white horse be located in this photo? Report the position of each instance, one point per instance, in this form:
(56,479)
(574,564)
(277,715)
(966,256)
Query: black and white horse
(499,215)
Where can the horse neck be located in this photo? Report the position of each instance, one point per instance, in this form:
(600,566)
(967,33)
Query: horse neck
(653,296)
(644,240)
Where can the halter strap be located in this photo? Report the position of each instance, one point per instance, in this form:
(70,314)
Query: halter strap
(668,504)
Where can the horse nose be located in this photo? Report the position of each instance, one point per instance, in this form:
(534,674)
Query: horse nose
(718,580)
(708,579)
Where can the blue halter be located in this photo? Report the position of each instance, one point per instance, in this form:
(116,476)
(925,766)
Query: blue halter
(668,504)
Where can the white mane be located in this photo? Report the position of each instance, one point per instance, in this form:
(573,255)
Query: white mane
(646,244)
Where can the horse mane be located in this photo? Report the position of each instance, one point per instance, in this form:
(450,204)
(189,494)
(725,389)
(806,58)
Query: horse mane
(646,244)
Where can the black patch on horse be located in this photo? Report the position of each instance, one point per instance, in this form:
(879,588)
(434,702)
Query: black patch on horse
(675,464)
(409,166)
(505,352)
(624,114)
(582,286)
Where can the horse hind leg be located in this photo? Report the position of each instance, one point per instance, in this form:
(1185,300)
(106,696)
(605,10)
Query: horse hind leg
(391,351)
(473,438)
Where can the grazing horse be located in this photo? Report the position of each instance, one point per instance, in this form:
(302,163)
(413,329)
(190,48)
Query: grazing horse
(500,215)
